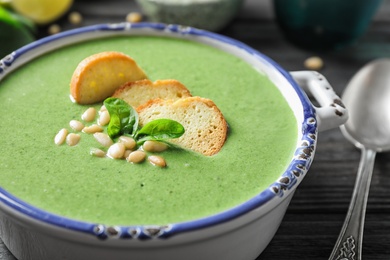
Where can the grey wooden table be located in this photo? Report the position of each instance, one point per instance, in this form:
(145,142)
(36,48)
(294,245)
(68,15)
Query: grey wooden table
(316,213)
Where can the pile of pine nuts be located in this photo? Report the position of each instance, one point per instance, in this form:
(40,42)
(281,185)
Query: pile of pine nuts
(125,147)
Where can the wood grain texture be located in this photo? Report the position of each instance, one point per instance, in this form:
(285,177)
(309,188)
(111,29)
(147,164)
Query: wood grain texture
(317,211)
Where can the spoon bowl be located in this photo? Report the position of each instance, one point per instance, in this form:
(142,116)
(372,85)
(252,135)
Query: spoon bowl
(367,98)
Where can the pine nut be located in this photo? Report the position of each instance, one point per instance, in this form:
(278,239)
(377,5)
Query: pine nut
(134,17)
(75,18)
(154,146)
(97,152)
(60,136)
(136,157)
(89,114)
(157,161)
(104,118)
(314,63)
(76,125)
(103,108)
(92,129)
(72,139)
(127,153)
(116,151)
(54,29)
(103,139)
(128,142)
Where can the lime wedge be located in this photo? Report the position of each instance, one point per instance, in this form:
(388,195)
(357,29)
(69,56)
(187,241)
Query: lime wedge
(41,11)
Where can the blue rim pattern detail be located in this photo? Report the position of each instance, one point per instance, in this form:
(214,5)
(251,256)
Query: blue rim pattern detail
(298,167)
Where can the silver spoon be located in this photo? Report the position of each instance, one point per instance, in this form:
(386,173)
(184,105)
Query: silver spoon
(367,98)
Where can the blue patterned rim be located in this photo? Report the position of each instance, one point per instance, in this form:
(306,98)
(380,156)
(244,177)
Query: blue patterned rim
(289,179)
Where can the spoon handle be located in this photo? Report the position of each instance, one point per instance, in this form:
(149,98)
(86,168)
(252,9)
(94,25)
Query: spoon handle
(349,242)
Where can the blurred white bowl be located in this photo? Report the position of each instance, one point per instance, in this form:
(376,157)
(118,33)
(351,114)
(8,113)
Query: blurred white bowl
(212,15)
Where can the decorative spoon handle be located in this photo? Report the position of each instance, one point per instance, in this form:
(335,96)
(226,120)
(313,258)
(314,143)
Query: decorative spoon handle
(349,242)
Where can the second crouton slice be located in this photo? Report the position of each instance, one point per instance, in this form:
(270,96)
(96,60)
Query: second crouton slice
(139,92)
(205,127)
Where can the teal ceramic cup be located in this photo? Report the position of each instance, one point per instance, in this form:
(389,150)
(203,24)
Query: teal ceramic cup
(324,24)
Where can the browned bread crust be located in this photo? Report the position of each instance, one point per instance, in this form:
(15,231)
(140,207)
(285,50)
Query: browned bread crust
(139,92)
(205,127)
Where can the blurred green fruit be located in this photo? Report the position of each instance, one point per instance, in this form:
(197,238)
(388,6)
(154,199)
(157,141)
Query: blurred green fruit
(15,31)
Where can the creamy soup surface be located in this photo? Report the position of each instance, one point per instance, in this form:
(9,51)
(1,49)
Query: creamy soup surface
(68,181)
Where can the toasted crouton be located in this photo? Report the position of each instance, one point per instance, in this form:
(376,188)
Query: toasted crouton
(139,92)
(99,75)
(205,127)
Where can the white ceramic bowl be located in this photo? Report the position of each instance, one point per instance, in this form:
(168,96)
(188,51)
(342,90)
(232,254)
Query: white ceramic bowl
(212,15)
(241,232)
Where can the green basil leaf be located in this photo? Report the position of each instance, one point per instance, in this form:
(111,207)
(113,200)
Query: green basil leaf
(124,119)
(161,129)
(114,127)
(130,124)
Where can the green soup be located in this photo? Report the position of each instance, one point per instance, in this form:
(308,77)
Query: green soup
(68,181)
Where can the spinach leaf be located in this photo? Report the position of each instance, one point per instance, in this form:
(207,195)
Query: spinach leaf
(130,124)
(114,127)
(161,129)
(124,119)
